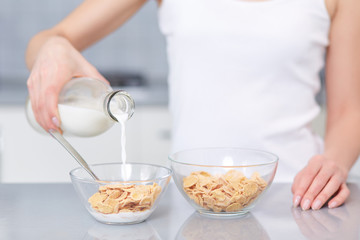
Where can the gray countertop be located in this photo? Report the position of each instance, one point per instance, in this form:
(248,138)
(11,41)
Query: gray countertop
(53,211)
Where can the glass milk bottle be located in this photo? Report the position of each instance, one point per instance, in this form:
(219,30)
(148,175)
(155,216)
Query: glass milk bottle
(88,107)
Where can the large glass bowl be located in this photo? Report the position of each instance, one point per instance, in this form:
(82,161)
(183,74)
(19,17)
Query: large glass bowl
(223,181)
(127,193)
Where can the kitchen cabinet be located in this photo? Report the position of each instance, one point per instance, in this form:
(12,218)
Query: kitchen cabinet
(27,156)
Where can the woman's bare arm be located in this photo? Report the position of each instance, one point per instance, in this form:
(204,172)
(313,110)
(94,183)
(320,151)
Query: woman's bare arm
(54,57)
(90,22)
(325,175)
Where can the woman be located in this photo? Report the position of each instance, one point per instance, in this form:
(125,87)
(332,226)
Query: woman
(242,73)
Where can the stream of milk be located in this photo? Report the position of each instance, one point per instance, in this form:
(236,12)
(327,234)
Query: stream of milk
(125,170)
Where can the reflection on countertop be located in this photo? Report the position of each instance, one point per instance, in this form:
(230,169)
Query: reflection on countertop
(151,94)
(53,211)
(143,231)
(198,227)
(338,223)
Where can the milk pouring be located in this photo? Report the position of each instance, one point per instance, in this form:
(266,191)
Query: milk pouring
(122,117)
(88,107)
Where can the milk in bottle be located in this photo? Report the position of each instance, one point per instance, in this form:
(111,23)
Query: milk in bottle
(88,107)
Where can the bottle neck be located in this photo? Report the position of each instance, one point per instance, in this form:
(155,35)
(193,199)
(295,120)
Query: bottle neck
(119,105)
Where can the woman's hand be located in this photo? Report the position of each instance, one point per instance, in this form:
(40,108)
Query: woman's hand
(56,63)
(321,180)
(324,178)
(54,55)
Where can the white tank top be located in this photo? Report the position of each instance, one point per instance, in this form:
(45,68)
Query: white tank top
(245,74)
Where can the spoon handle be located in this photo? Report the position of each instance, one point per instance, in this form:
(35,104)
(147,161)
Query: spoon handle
(73,152)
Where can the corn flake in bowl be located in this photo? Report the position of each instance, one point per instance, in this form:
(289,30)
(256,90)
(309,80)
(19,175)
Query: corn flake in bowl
(223,181)
(127,193)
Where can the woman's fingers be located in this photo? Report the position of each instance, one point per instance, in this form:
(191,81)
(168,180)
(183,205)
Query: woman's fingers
(317,183)
(340,197)
(331,187)
(51,110)
(304,179)
(45,96)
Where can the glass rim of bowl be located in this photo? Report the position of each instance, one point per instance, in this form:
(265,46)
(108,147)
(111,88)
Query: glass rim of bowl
(90,180)
(276,158)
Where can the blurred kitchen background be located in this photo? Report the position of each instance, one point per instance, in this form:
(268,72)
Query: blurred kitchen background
(132,58)
(133,55)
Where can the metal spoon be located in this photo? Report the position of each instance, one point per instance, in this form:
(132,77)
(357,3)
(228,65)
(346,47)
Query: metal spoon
(73,152)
